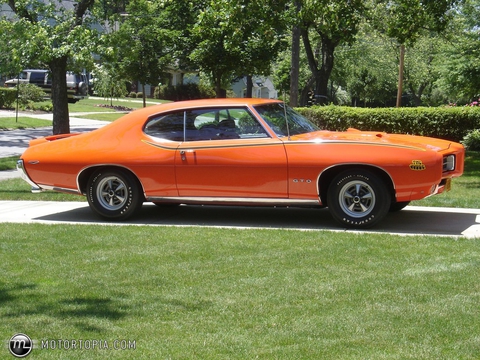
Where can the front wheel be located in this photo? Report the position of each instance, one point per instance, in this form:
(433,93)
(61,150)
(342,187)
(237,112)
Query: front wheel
(114,194)
(358,199)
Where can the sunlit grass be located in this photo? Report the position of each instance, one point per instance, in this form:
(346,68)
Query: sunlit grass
(9,123)
(8,163)
(465,190)
(202,293)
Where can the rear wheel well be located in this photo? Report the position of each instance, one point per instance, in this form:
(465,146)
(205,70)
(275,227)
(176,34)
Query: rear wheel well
(327,176)
(84,176)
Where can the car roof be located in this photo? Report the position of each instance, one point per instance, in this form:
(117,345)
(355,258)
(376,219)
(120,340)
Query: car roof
(142,114)
(178,105)
(139,116)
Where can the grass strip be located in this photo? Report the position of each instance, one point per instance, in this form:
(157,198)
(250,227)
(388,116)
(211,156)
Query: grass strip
(190,293)
(9,123)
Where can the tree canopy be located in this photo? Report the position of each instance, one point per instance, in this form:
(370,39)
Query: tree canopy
(54,35)
(348,53)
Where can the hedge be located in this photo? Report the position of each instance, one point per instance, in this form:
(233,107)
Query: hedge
(451,123)
(7,97)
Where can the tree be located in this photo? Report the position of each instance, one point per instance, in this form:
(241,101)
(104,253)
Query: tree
(108,83)
(460,73)
(142,48)
(237,38)
(325,24)
(59,37)
(406,20)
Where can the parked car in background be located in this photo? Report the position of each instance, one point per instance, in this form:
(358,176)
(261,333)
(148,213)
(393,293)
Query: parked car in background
(249,152)
(77,84)
(36,77)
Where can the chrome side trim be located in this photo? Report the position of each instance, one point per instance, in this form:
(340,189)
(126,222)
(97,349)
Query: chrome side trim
(23,173)
(61,189)
(235,201)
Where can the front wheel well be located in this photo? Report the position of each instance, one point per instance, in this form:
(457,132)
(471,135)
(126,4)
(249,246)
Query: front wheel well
(85,175)
(328,175)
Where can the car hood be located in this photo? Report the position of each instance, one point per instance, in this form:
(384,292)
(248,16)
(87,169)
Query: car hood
(377,138)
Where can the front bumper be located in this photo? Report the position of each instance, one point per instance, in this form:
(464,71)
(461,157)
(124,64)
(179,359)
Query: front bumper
(23,173)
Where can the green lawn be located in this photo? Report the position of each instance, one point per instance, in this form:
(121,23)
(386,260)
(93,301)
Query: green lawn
(209,293)
(93,104)
(8,163)
(82,106)
(465,189)
(8,123)
(202,293)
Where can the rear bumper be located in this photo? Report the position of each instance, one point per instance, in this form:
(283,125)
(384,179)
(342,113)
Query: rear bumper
(24,175)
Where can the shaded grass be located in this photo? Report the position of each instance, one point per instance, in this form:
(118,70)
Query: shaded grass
(190,293)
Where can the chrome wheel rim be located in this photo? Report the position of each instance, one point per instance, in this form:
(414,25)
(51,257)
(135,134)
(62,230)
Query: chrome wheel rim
(112,193)
(357,199)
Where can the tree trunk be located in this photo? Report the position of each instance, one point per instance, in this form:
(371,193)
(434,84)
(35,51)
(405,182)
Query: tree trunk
(322,69)
(144,96)
(61,119)
(295,67)
(304,95)
(400,75)
(323,74)
(219,91)
(249,87)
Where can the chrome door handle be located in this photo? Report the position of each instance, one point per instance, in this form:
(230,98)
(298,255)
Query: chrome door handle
(184,152)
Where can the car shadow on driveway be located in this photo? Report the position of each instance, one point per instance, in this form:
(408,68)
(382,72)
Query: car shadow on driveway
(411,220)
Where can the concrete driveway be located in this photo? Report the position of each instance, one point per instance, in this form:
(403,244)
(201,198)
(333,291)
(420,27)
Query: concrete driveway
(464,223)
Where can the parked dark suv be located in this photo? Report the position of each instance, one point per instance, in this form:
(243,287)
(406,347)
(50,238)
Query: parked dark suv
(77,84)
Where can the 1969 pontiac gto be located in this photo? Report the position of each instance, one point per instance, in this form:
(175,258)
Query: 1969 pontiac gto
(253,152)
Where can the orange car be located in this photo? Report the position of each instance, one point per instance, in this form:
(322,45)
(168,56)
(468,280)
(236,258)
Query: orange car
(240,152)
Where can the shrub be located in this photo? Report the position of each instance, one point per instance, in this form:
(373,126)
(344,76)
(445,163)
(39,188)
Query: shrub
(139,95)
(132,94)
(29,93)
(7,97)
(452,123)
(472,140)
(183,92)
(47,107)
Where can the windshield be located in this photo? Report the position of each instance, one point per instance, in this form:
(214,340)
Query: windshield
(274,116)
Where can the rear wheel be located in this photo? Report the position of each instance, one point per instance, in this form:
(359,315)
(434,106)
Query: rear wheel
(114,194)
(358,198)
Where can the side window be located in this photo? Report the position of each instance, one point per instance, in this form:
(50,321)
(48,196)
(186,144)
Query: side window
(205,124)
(169,126)
(224,123)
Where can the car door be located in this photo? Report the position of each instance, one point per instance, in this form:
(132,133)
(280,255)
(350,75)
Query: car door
(228,154)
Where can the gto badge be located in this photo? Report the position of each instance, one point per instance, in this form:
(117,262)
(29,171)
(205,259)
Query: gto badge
(308,181)
(417,165)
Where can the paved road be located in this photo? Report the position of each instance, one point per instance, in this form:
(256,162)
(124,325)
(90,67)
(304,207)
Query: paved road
(463,223)
(14,142)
